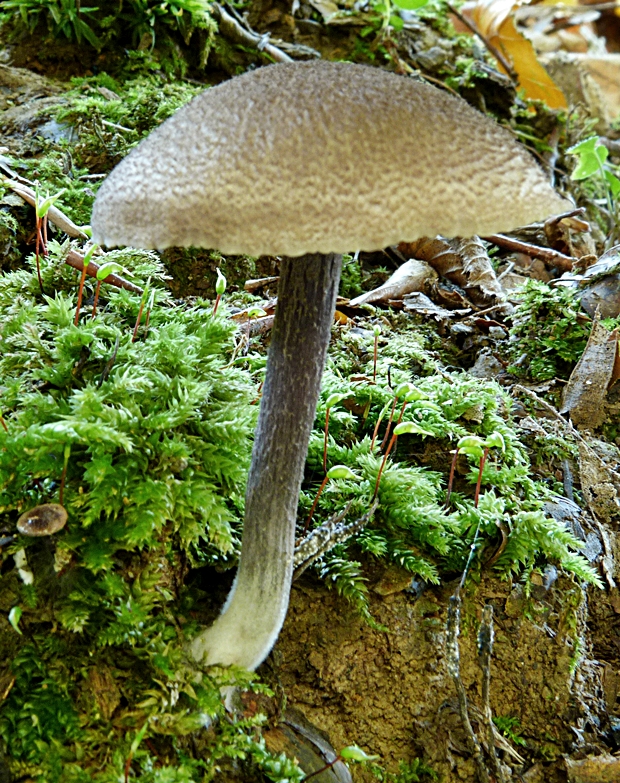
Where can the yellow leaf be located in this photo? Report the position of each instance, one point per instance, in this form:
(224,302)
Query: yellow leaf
(493,18)
(533,78)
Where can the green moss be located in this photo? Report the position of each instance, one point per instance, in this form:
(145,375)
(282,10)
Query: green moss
(548,335)
(412,526)
(165,29)
(156,437)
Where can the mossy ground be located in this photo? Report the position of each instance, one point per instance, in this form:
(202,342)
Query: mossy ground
(153,440)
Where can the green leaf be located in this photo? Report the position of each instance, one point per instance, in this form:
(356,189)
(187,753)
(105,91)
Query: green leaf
(256,312)
(472,445)
(410,5)
(107,269)
(355,753)
(495,441)
(403,389)
(613,182)
(42,207)
(14,618)
(220,284)
(592,155)
(409,427)
(334,399)
(586,146)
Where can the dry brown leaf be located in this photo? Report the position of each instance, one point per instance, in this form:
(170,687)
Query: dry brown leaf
(493,18)
(413,275)
(464,262)
(585,393)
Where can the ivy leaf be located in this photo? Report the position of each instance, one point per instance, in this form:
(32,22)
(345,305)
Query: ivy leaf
(592,154)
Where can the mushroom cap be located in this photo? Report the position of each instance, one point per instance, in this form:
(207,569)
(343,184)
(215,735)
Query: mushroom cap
(44,520)
(320,157)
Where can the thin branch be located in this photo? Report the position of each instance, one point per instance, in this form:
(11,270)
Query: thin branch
(75,260)
(234,30)
(493,49)
(552,257)
(57,217)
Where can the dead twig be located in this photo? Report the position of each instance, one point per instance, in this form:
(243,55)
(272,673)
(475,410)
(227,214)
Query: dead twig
(260,282)
(552,257)
(75,260)
(57,217)
(439,83)
(493,49)
(261,325)
(234,30)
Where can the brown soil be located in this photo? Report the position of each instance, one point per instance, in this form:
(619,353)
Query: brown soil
(391,693)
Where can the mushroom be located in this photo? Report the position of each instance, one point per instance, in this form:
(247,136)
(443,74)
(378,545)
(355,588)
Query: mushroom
(44,520)
(308,161)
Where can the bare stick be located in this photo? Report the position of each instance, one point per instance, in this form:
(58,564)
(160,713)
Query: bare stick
(57,217)
(552,257)
(234,30)
(494,51)
(75,260)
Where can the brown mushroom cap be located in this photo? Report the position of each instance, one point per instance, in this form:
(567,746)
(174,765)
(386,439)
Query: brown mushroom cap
(320,157)
(44,520)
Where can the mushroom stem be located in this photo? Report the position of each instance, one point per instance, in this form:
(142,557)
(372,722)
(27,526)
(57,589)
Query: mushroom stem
(252,617)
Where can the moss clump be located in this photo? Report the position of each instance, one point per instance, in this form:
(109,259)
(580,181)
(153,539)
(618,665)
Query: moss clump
(164,30)
(412,526)
(148,443)
(548,334)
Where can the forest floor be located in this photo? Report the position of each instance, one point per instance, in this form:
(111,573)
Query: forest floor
(93,680)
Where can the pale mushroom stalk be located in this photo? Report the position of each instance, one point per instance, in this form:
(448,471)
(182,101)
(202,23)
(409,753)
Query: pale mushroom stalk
(251,620)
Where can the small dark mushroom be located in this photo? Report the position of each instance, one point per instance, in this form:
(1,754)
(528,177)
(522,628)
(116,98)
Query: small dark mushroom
(42,520)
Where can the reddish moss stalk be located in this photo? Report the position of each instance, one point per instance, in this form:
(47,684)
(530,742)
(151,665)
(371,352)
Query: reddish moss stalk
(385,456)
(451,479)
(80,294)
(316,500)
(483,460)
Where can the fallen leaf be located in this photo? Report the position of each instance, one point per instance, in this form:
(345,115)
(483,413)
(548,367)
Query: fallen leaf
(413,275)
(417,302)
(585,393)
(464,262)
(493,18)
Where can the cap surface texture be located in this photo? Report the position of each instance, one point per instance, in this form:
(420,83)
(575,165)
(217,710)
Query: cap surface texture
(320,157)
(44,520)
